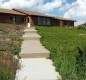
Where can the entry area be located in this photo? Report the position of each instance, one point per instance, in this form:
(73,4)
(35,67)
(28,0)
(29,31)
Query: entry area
(28,22)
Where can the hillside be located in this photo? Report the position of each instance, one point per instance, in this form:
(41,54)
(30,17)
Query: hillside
(10,42)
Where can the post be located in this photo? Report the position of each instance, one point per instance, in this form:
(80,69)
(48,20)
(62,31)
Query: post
(26,21)
(61,23)
(14,21)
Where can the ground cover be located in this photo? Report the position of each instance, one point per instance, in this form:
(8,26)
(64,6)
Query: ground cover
(10,43)
(67,50)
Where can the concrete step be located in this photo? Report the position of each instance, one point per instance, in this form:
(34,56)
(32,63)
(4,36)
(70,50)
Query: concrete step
(34,52)
(34,55)
(28,43)
(30,27)
(30,31)
(31,36)
(37,69)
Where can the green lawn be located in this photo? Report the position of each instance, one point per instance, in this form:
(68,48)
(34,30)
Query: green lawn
(68,51)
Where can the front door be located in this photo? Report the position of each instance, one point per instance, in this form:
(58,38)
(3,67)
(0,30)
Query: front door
(28,23)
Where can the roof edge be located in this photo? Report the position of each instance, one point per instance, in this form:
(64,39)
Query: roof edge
(20,11)
(55,17)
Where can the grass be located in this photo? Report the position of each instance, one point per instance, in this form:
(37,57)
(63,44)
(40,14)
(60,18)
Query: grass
(10,43)
(67,50)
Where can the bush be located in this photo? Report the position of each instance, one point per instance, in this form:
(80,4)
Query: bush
(15,36)
(10,42)
(81,28)
(5,74)
(5,46)
(8,66)
(81,63)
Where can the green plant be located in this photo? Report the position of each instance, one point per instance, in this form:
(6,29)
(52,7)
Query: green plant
(5,74)
(15,35)
(63,43)
(81,63)
(81,28)
(10,43)
(8,66)
(5,46)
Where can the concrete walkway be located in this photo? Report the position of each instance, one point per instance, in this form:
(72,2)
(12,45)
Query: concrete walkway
(34,62)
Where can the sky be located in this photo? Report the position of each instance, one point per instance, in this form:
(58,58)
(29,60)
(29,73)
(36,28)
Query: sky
(71,9)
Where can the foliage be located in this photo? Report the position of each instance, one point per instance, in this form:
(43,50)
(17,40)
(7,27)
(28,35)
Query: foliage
(82,27)
(10,43)
(63,43)
(15,35)
(81,63)
(8,66)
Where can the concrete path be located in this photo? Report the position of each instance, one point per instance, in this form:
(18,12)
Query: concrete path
(34,62)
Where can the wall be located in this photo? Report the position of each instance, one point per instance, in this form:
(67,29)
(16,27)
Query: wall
(5,18)
(34,21)
(54,22)
(66,23)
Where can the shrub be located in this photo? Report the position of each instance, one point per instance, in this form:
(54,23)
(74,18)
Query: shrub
(10,42)
(81,63)
(8,66)
(81,28)
(15,35)
(5,46)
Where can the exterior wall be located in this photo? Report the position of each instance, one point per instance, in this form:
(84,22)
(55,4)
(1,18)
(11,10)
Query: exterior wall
(5,18)
(66,23)
(55,22)
(61,23)
(34,21)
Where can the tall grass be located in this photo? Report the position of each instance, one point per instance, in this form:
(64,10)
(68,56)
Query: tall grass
(64,45)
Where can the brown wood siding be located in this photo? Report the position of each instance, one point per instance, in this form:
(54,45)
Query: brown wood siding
(55,22)
(66,23)
(34,20)
(5,18)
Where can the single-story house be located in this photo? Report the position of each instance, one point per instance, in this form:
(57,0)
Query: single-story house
(31,18)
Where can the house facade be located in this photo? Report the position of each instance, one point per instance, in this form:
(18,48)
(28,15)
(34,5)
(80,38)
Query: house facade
(30,18)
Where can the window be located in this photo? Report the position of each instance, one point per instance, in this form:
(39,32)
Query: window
(21,19)
(39,21)
(48,21)
(44,21)
(11,19)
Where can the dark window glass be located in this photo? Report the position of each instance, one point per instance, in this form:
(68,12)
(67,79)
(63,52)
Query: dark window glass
(39,21)
(22,19)
(11,19)
(48,21)
(44,21)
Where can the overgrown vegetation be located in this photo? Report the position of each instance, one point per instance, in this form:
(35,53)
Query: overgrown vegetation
(68,50)
(10,43)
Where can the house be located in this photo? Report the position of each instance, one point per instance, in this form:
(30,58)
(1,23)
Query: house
(31,18)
